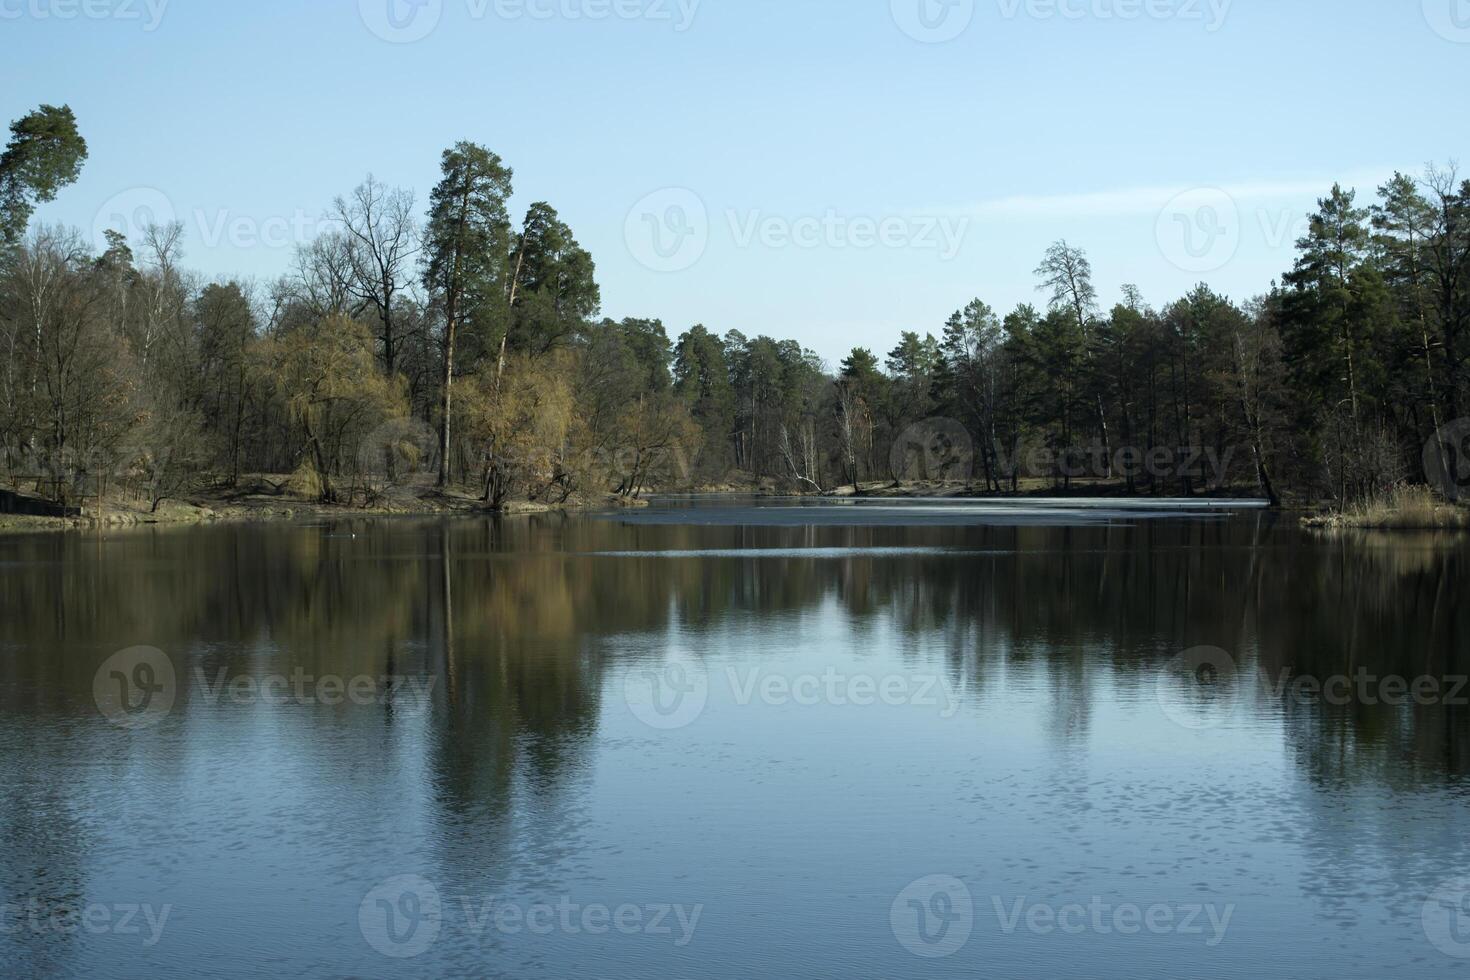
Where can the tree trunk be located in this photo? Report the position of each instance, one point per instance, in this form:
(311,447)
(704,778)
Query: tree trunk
(447,404)
(452,299)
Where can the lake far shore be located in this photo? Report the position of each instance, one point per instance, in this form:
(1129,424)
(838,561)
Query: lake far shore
(263,501)
(245,507)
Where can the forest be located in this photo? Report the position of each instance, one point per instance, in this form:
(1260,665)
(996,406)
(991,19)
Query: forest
(456,348)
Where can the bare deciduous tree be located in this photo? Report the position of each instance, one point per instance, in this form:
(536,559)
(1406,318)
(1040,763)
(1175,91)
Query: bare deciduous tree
(382,246)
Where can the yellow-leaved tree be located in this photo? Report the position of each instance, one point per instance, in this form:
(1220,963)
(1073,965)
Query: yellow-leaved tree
(517,422)
(327,376)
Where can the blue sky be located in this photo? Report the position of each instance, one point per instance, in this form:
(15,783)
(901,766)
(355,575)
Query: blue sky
(830,170)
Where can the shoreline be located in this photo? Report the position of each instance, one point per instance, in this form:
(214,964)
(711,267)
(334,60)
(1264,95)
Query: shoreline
(257,509)
(1030,490)
(242,508)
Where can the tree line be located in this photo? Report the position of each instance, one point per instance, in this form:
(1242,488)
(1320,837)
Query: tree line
(462,347)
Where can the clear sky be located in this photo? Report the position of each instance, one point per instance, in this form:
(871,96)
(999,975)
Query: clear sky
(830,170)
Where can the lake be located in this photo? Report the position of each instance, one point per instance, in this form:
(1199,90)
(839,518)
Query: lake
(730,739)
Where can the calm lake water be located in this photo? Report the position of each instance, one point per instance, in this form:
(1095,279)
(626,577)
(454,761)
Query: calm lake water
(715,739)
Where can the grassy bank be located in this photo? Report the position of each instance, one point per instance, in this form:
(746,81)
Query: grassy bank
(1402,508)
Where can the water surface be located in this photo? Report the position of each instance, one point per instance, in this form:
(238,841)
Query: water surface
(729,739)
